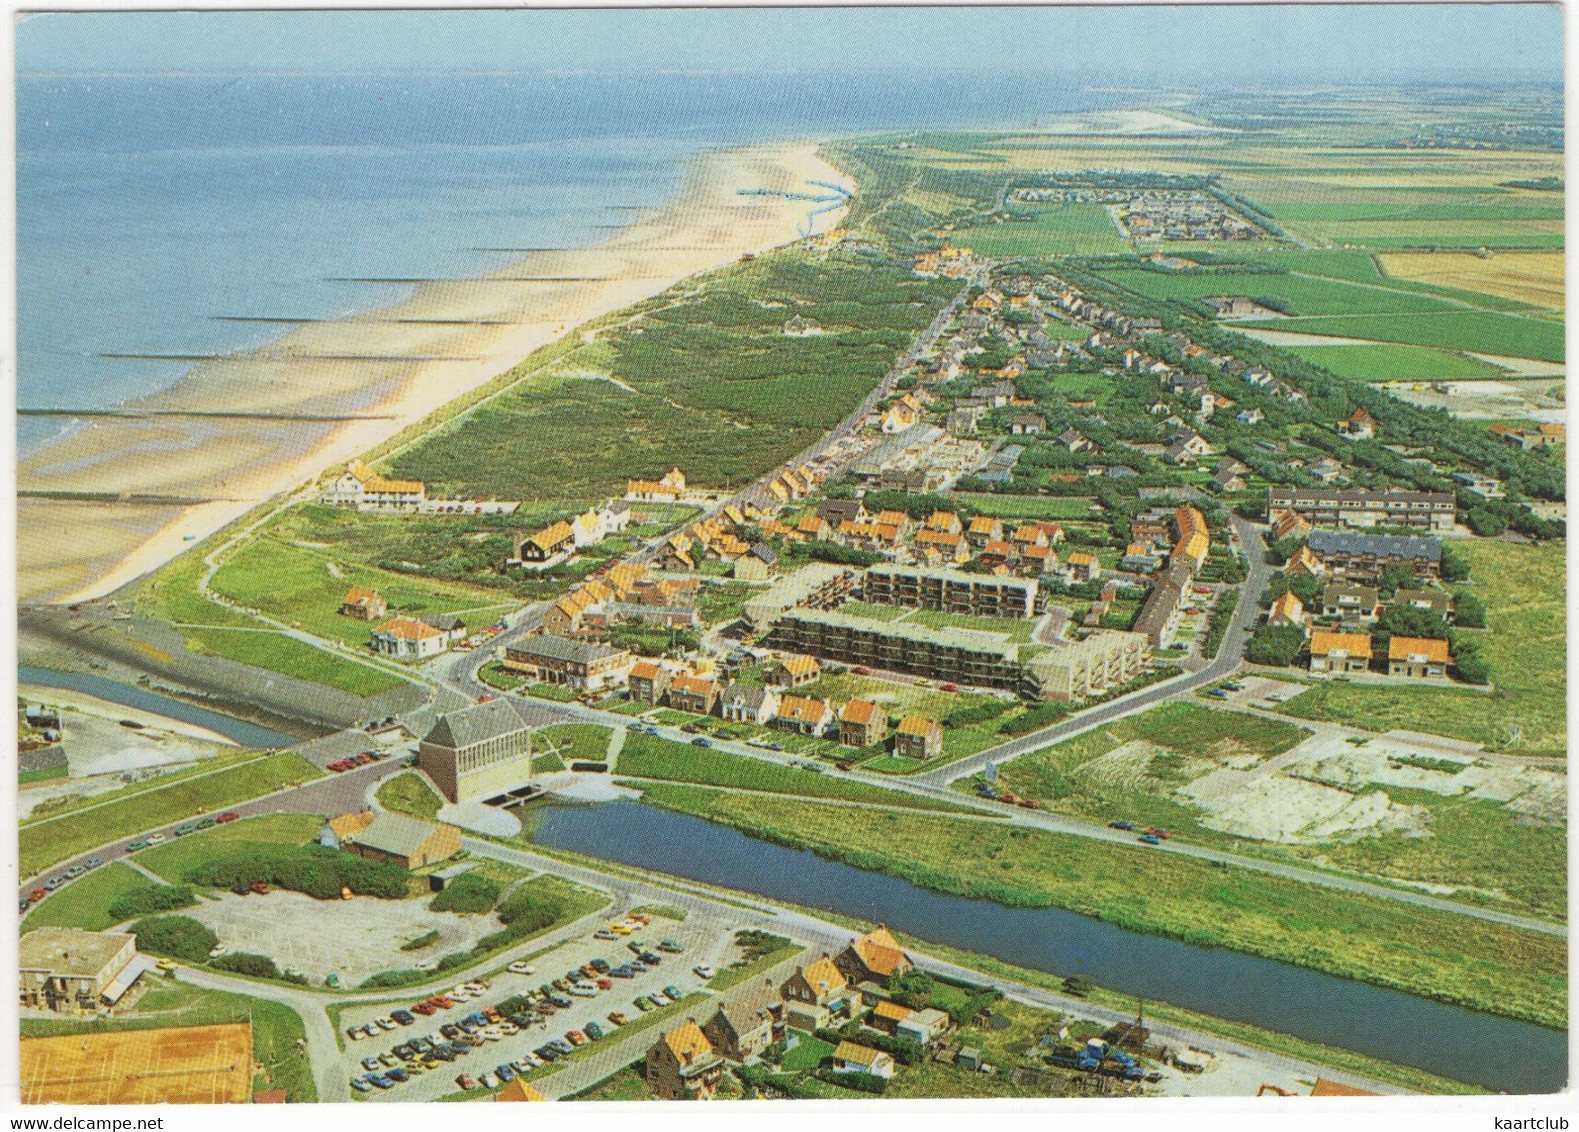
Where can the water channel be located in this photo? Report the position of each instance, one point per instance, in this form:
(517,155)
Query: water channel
(1497,1053)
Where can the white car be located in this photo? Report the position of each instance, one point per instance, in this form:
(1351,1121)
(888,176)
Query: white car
(155,838)
(660,998)
(584,990)
(488,1080)
(355,1033)
(385,1023)
(703,971)
(216,951)
(520,968)
(427,964)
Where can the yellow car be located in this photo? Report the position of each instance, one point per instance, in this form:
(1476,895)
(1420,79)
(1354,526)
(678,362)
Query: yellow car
(166,966)
(621,929)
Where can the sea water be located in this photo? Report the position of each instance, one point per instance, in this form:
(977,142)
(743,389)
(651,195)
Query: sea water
(149,205)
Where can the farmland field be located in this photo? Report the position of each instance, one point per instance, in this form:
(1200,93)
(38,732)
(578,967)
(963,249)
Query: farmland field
(1363,362)
(1292,294)
(1535,278)
(1485,332)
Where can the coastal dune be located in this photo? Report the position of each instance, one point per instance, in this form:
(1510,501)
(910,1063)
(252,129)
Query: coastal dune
(123,495)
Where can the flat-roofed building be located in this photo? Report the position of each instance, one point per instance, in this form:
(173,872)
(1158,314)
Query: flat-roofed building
(963,656)
(478,751)
(71,971)
(584,666)
(1360,507)
(1077,669)
(951,591)
(816,585)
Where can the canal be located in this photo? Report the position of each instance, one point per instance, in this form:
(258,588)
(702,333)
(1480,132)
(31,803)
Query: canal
(1497,1053)
(128,695)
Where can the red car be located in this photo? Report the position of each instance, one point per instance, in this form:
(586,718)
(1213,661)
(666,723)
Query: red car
(1030,803)
(1162,833)
(1012,799)
(861,670)
(228,815)
(424,1008)
(37,894)
(260,888)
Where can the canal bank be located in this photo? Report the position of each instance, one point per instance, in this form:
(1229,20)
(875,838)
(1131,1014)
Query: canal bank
(1496,1053)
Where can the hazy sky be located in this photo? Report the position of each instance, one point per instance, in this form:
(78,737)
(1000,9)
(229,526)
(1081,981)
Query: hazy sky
(1254,43)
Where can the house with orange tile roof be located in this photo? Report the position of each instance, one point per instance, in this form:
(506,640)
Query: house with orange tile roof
(862,723)
(405,638)
(816,994)
(803,715)
(696,694)
(852,1057)
(682,1065)
(917,737)
(1304,563)
(359,486)
(940,546)
(887,1015)
(364,604)
(667,489)
(1339,652)
(1287,610)
(946,521)
(794,672)
(648,681)
(1082,566)
(983,529)
(1419,658)
(874,957)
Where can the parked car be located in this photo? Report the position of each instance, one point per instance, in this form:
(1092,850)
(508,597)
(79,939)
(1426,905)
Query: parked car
(1150,839)
(227,816)
(618,1017)
(466,1081)
(703,971)
(701,741)
(576,1037)
(260,888)
(521,968)
(1124,825)
(605,934)
(94,862)
(134,846)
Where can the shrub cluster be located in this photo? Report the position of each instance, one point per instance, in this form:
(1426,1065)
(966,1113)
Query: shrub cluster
(179,937)
(469,892)
(314,869)
(150,898)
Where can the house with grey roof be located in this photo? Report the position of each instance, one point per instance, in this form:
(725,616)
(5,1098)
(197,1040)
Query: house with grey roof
(742,703)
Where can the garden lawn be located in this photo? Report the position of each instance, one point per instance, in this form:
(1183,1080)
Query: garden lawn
(809,1053)
(1525,594)
(85,902)
(647,756)
(1434,954)
(572,742)
(46,841)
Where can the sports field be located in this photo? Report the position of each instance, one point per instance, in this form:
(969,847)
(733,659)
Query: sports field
(184,1065)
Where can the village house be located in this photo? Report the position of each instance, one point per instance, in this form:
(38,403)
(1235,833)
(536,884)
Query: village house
(648,681)
(803,715)
(861,724)
(542,546)
(405,638)
(1339,652)
(364,604)
(1028,424)
(1229,475)
(682,1065)
(874,957)
(1074,442)
(918,738)
(1360,425)
(815,995)
(695,694)
(926,1026)
(747,1024)
(1430,601)
(1082,566)
(794,672)
(744,703)
(887,1015)
(983,529)
(757,564)
(1419,658)
(1287,609)
(1351,602)
(582,666)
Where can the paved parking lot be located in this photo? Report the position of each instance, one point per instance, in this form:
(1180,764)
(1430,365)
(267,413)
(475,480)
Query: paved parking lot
(353,938)
(707,940)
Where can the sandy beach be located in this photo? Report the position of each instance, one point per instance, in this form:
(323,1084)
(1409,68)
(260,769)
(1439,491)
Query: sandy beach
(178,479)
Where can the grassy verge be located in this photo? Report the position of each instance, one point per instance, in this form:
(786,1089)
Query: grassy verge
(85,902)
(172,859)
(276,1029)
(647,756)
(410,793)
(1439,955)
(43,843)
(734,976)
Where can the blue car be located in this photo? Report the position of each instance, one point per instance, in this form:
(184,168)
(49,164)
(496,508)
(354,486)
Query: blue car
(1149,839)
(379,1082)
(699,741)
(504,1071)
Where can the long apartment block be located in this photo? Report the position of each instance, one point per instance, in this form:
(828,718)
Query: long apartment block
(951,591)
(962,656)
(1429,510)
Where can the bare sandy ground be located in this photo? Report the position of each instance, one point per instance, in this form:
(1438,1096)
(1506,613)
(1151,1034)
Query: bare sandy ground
(451,336)
(1135,123)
